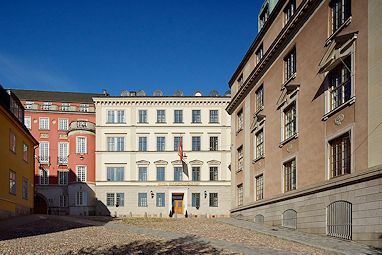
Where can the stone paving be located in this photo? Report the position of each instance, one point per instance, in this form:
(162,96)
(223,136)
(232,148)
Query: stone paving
(37,234)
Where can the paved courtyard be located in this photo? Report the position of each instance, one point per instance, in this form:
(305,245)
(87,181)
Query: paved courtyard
(39,234)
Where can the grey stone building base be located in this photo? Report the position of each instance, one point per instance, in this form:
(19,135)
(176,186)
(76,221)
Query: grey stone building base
(362,189)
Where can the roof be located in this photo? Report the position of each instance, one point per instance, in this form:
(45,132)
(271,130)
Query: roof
(55,96)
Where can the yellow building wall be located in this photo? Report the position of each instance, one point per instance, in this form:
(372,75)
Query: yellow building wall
(10,204)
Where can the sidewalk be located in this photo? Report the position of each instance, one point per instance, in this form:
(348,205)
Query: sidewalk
(330,244)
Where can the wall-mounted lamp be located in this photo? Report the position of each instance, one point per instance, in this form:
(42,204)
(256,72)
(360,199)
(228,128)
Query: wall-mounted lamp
(205,194)
(152,194)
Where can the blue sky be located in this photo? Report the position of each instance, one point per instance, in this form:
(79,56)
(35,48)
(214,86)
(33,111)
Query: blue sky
(90,45)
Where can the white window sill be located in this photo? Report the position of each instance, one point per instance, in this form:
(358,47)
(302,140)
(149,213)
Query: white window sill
(290,79)
(258,158)
(288,140)
(339,108)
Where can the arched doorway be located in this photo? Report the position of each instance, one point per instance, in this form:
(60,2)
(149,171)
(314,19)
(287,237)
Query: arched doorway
(40,204)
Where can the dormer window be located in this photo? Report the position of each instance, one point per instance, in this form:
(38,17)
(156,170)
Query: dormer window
(259,53)
(289,10)
(264,16)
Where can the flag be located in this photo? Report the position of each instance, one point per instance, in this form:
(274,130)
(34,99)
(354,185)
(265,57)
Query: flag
(185,168)
(180,150)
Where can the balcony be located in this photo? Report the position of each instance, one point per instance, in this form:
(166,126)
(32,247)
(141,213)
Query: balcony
(82,125)
(43,160)
(63,161)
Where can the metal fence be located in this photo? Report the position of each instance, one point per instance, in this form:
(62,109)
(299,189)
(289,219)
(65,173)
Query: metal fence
(339,220)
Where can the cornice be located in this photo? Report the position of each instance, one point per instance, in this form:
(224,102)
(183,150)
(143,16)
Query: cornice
(303,13)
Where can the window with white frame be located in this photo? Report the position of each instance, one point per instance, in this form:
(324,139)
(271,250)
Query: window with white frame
(65,107)
(240,159)
(214,200)
(240,120)
(28,105)
(115,173)
(81,145)
(115,116)
(12,182)
(115,199)
(63,200)
(25,191)
(340,155)
(214,173)
(46,106)
(214,116)
(142,116)
(290,120)
(177,140)
(195,200)
(178,173)
(340,13)
(259,180)
(160,173)
(142,173)
(160,199)
(259,136)
(289,10)
(84,108)
(178,116)
(340,87)
(44,177)
(290,64)
(196,143)
(63,152)
(195,173)
(81,198)
(44,124)
(25,152)
(196,116)
(214,143)
(240,194)
(44,152)
(110,199)
(81,174)
(259,53)
(290,175)
(63,124)
(115,143)
(62,177)
(142,199)
(161,116)
(28,122)
(161,146)
(12,142)
(142,143)
(259,98)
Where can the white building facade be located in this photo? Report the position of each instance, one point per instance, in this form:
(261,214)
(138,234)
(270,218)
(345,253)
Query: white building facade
(138,170)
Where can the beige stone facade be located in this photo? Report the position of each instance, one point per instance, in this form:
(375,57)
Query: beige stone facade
(306,113)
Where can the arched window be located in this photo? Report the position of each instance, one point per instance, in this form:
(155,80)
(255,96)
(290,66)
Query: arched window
(259,219)
(290,219)
(339,220)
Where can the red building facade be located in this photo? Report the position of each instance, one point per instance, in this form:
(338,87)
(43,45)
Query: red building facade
(64,125)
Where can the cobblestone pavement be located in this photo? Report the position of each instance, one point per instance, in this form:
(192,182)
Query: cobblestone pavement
(71,235)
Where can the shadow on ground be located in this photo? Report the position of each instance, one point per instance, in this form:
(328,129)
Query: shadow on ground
(39,225)
(185,245)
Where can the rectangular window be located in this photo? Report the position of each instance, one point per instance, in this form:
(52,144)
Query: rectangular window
(290,120)
(63,124)
(115,116)
(81,198)
(84,107)
(81,145)
(195,200)
(160,173)
(289,10)
(240,159)
(259,98)
(290,64)
(214,144)
(46,106)
(178,116)
(259,144)
(178,174)
(115,199)
(213,199)
(62,177)
(25,152)
(196,143)
(142,142)
(290,175)
(161,143)
(341,12)
(264,16)
(44,177)
(115,144)
(240,120)
(12,141)
(115,174)
(63,201)
(177,142)
(259,54)
(28,122)
(160,199)
(340,155)
(12,182)
(142,174)
(195,173)
(161,116)
(65,107)
(110,199)
(196,118)
(240,194)
(142,199)
(120,199)
(81,174)
(240,80)
(29,105)
(259,187)
(25,188)
(214,116)
(63,152)
(44,152)
(44,124)
(340,84)
(142,116)
(214,173)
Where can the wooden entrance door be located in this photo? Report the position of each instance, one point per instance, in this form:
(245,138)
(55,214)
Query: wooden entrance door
(177,201)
